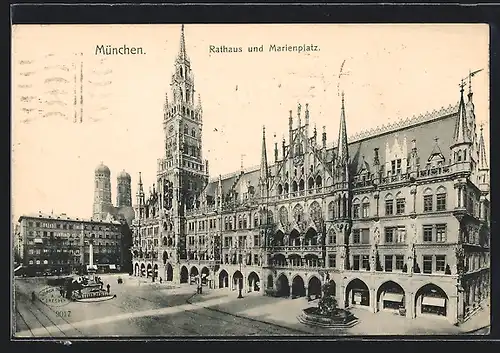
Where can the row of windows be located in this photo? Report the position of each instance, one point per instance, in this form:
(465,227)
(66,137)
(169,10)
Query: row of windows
(51,225)
(230,223)
(300,186)
(242,241)
(397,234)
(238,259)
(149,231)
(431,263)
(70,226)
(48,251)
(75,260)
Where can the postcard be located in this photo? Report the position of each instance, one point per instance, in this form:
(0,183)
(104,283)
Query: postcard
(218,180)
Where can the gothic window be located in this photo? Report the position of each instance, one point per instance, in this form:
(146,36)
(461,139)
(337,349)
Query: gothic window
(400,203)
(355,208)
(256,220)
(280,189)
(315,211)
(301,185)
(310,183)
(298,212)
(193,132)
(365,208)
(270,217)
(331,210)
(286,188)
(428,200)
(389,205)
(441,199)
(283,215)
(294,186)
(319,181)
(186,129)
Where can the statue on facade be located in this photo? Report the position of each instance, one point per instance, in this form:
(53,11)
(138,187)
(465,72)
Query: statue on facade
(342,252)
(376,236)
(249,242)
(319,239)
(285,240)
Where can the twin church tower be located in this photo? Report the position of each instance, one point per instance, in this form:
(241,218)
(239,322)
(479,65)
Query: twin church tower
(103,208)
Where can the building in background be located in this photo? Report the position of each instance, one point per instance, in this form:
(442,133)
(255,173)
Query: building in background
(60,244)
(397,218)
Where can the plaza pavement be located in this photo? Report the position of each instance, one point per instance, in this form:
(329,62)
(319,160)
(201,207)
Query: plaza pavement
(140,309)
(143,308)
(284,312)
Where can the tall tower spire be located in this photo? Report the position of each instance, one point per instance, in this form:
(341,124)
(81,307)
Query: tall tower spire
(263,165)
(461,135)
(483,161)
(342,152)
(263,158)
(182,46)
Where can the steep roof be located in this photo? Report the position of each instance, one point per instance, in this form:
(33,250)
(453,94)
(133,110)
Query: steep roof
(423,128)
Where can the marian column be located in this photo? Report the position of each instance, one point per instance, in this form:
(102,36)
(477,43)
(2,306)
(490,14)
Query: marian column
(91,255)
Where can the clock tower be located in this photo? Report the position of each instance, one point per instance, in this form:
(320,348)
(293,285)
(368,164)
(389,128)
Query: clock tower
(182,173)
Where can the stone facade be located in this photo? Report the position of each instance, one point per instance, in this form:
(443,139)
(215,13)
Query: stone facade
(397,217)
(51,242)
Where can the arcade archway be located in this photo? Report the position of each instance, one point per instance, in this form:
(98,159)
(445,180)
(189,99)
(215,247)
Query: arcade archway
(431,300)
(314,287)
(205,273)
(223,279)
(169,273)
(283,285)
(184,275)
(270,281)
(253,282)
(298,287)
(357,293)
(390,296)
(237,280)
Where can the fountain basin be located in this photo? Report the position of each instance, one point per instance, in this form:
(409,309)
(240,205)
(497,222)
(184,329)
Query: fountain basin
(341,318)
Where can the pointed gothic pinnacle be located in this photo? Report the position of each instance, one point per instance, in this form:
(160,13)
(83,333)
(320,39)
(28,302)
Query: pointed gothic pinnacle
(182,49)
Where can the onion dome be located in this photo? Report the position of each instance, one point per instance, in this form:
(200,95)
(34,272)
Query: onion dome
(124,175)
(102,169)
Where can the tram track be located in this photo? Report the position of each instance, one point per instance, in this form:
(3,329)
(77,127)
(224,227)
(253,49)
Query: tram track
(39,305)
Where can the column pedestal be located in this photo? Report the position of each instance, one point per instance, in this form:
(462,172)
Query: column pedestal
(373,301)
(341,297)
(409,305)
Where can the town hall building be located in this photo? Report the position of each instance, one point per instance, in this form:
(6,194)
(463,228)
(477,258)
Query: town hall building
(397,218)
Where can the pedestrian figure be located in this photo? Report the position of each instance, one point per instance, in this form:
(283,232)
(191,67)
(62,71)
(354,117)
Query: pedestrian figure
(33,296)
(61,291)
(108,286)
(161,280)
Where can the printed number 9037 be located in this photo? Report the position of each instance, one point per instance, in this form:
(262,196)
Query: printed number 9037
(64,313)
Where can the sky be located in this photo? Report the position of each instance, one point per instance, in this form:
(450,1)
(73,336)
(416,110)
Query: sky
(389,73)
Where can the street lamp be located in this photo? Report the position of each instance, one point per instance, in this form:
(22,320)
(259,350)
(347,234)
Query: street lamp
(240,259)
